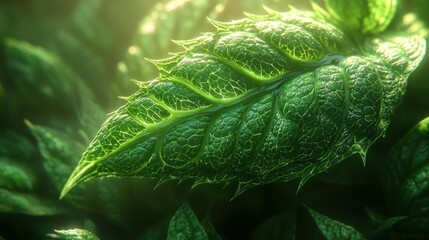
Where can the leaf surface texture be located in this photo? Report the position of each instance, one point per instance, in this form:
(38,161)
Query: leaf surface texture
(264,99)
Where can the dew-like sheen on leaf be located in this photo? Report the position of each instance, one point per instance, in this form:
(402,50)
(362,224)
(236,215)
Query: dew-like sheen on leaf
(264,99)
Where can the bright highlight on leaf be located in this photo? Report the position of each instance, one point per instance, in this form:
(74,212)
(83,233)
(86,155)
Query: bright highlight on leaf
(265,99)
(73,234)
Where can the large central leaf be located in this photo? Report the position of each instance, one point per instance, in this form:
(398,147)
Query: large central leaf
(268,98)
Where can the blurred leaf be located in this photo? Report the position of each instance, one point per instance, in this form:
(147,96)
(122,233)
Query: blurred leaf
(408,182)
(16,176)
(280,226)
(210,230)
(38,83)
(168,19)
(375,217)
(75,53)
(155,232)
(59,153)
(14,145)
(334,230)
(185,225)
(420,6)
(86,22)
(73,234)
(32,21)
(2,96)
(366,16)
(383,225)
(26,65)
(29,204)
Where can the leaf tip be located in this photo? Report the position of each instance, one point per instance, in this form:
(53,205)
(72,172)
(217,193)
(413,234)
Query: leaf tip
(29,124)
(80,174)
(269,10)
(218,25)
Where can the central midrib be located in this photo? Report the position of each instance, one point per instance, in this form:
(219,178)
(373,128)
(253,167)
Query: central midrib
(214,109)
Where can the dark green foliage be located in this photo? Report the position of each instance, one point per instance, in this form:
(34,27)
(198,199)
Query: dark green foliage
(281,226)
(407,182)
(334,230)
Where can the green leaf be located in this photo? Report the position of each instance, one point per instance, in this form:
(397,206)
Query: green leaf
(15,146)
(281,226)
(266,99)
(29,204)
(16,176)
(210,230)
(86,23)
(34,73)
(407,181)
(334,230)
(366,16)
(59,152)
(185,225)
(73,234)
(383,225)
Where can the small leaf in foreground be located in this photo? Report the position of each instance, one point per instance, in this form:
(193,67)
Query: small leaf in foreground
(185,225)
(334,230)
(73,234)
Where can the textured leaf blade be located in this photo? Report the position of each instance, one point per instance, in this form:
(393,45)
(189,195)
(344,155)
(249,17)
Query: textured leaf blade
(218,114)
(334,230)
(185,225)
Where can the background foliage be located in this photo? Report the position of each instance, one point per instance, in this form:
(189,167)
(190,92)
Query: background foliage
(62,66)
